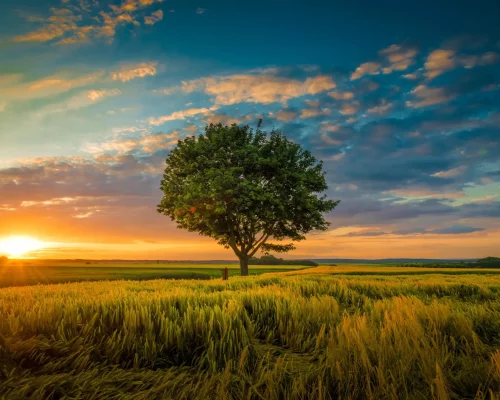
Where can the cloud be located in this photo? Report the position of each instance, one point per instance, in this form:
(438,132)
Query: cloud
(73,24)
(264,89)
(314,112)
(130,72)
(429,96)
(50,202)
(451,173)
(439,61)
(471,61)
(485,199)
(486,180)
(382,108)
(400,58)
(284,115)
(456,230)
(146,144)
(153,18)
(368,68)
(444,60)
(227,119)
(81,100)
(180,115)
(425,193)
(412,76)
(200,10)
(342,95)
(365,233)
(128,6)
(94,95)
(49,86)
(349,109)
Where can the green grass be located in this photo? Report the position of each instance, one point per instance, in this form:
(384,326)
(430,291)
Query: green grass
(321,333)
(19,275)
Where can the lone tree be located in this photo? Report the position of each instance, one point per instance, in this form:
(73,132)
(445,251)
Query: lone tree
(244,188)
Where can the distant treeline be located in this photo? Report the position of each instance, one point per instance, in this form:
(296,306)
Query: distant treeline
(272,260)
(488,262)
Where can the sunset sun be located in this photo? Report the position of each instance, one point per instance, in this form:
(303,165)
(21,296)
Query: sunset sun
(18,246)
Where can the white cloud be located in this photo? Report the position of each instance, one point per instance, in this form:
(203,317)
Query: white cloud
(451,173)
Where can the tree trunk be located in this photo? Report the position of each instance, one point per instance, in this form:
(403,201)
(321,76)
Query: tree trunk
(244,266)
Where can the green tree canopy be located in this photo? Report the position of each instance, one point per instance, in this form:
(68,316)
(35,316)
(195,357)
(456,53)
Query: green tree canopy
(245,189)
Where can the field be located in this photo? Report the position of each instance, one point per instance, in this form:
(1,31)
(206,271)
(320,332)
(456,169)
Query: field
(23,275)
(33,272)
(345,332)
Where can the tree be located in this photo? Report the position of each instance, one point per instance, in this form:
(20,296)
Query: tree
(245,188)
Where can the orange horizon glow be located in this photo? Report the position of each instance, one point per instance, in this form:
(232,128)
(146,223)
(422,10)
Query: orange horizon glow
(333,244)
(20,246)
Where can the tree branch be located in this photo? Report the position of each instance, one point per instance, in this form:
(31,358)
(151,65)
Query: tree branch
(232,244)
(260,242)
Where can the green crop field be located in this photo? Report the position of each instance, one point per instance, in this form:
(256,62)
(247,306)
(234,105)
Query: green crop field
(321,333)
(22,275)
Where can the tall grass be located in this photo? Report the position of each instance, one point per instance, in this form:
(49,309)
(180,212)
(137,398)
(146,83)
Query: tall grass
(267,337)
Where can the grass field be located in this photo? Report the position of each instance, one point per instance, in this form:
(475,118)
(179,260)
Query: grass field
(322,333)
(23,275)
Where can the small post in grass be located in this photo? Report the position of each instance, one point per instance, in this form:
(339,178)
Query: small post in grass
(225,274)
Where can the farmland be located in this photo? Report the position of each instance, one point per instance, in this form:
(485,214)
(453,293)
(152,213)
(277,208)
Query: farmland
(19,274)
(320,333)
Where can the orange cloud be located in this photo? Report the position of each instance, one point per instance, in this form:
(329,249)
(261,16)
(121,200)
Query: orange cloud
(48,86)
(147,144)
(70,24)
(429,96)
(314,112)
(264,89)
(400,58)
(191,112)
(284,116)
(154,18)
(130,72)
(440,61)
(381,109)
(341,95)
(368,68)
(227,119)
(349,109)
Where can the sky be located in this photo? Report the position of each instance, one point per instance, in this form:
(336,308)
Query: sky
(400,100)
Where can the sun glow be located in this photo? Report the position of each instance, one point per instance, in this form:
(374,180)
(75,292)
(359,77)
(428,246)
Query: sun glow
(18,246)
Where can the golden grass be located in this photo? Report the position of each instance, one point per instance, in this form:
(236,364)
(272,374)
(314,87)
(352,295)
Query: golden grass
(306,336)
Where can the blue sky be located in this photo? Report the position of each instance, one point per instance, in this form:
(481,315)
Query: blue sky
(400,100)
